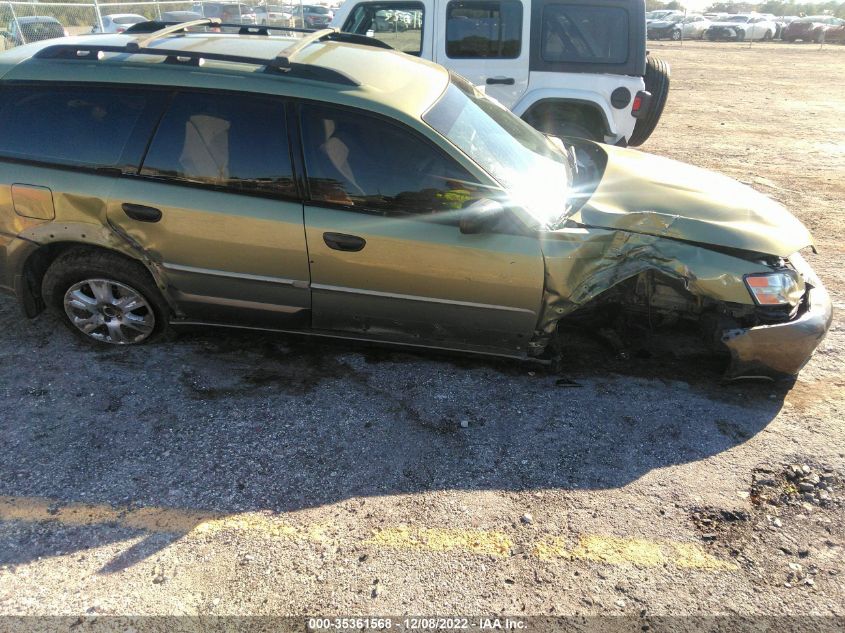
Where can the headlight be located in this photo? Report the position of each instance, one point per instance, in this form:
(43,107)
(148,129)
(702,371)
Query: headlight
(784,287)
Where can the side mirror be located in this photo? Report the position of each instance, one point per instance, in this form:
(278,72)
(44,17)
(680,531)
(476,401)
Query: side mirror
(480,216)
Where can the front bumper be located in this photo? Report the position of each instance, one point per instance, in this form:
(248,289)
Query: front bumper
(781,349)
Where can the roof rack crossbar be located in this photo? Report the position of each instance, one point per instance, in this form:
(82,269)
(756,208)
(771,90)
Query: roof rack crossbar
(143,42)
(151,26)
(88,52)
(154,29)
(287,55)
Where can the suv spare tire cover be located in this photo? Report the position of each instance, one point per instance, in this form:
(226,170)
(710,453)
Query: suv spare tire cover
(657,83)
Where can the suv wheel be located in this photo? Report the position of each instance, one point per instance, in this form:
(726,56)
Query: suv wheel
(104,297)
(657,83)
(676,35)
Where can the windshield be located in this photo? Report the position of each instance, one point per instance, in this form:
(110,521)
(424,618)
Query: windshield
(738,18)
(534,171)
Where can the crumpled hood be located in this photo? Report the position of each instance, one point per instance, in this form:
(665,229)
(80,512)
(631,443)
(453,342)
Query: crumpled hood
(643,193)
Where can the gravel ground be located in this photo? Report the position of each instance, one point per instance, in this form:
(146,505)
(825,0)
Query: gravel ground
(225,473)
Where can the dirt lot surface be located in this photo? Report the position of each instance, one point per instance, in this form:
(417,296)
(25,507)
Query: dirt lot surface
(255,474)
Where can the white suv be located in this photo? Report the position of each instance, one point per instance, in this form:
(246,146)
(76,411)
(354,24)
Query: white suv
(574,68)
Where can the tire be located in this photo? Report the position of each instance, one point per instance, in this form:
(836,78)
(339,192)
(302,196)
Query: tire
(104,298)
(657,83)
(676,36)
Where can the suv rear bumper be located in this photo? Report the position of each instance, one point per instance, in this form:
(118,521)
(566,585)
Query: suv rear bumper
(781,349)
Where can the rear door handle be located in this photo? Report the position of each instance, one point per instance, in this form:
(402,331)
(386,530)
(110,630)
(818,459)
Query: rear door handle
(506,81)
(343,242)
(141,212)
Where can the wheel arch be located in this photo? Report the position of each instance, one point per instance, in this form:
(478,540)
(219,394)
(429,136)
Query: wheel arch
(37,262)
(590,113)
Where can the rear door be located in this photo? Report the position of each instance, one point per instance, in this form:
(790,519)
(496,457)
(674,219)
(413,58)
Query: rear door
(388,260)
(486,41)
(215,204)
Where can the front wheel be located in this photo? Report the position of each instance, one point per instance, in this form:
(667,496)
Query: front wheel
(104,298)
(676,35)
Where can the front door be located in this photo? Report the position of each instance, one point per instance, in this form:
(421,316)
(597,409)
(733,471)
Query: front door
(216,207)
(388,260)
(486,41)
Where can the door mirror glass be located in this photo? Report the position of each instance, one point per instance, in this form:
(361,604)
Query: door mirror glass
(481,216)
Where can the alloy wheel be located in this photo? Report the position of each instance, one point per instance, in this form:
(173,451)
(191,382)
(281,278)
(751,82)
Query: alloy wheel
(109,311)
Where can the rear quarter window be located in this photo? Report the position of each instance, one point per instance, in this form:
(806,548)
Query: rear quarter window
(76,126)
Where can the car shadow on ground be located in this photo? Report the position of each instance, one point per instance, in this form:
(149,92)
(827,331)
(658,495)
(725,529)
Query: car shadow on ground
(224,422)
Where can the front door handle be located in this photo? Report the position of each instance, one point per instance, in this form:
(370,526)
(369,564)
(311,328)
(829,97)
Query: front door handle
(343,242)
(141,212)
(505,81)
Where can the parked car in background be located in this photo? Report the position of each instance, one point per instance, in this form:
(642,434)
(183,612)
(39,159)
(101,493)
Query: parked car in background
(676,27)
(578,68)
(312,16)
(271,14)
(118,22)
(661,14)
(811,28)
(741,27)
(33,29)
(229,13)
(778,21)
(835,34)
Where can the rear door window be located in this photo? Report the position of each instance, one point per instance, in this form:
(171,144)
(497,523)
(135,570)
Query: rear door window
(585,34)
(399,24)
(234,142)
(483,30)
(75,126)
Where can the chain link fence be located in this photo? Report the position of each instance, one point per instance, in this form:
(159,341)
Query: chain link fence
(25,22)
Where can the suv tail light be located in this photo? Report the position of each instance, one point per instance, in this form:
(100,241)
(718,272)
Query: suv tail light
(641,103)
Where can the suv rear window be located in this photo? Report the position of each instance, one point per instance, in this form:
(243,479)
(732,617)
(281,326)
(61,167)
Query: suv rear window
(86,127)
(578,33)
(229,141)
(483,29)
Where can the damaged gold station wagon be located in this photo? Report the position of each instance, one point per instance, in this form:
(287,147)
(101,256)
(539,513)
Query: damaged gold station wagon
(317,183)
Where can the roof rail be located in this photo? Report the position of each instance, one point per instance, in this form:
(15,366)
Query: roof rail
(92,52)
(143,42)
(151,26)
(155,28)
(291,51)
